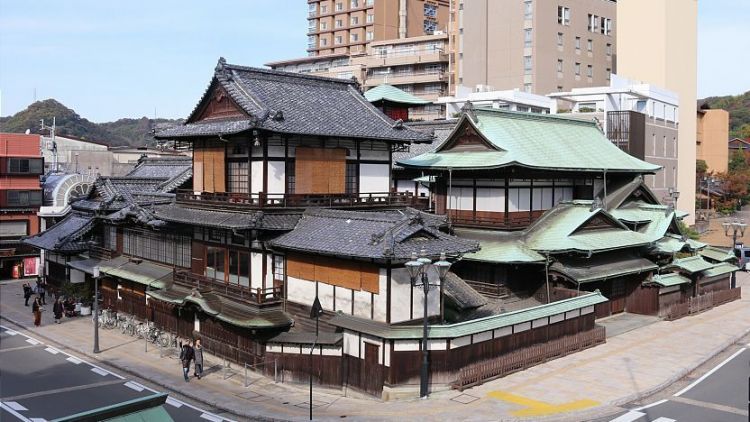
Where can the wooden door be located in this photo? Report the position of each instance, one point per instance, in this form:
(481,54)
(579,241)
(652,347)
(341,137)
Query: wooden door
(372,372)
(618,296)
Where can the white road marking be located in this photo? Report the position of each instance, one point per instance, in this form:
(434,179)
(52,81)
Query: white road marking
(52,350)
(211,417)
(99,371)
(10,332)
(663,419)
(13,412)
(15,406)
(32,341)
(134,385)
(174,403)
(74,360)
(38,420)
(629,417)
(656,403)
(696,382)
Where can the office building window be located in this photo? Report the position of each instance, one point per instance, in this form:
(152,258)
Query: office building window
(370,35)
(339,23)
(323,42)
(311,42)
(559,65)
(430,10)
(560,39)
(338,40)
(430,27)
(370,2)
(590,45)
(528,9)
(609,73)
(323,26)
(354,37)
(608,27)
(354,4)
(578,43)
(664,142)
(577,68)
(563,15)
(26,165)
(370,18)
(354,20)
(339,7)
(527,65)
(527,37)
(323,10)
(590,71)
(593,23)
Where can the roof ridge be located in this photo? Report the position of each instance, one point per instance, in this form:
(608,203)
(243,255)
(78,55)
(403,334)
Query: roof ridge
(274,72)
(535,116)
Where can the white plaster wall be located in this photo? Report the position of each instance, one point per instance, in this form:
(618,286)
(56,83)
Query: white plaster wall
(325,295)
(351,343)
(374,178)
(300,291)
(556,318)
(460,341)
(439,344)
(269,270)
(273,348)
(256,270)
(480,337)
(331,350)
(572,314)
(380,301)
(587,310)
(276,178)
(405,345)
(343,300)
(502,332)
(400,296)
(387,361)
(461,198)
(489,199)
(362,304)
(524,326)
(541,322)
(256,176)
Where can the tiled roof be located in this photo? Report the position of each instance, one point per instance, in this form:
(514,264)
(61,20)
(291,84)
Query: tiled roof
(373,235)
(207,218)
(667,280)
(535,141)
(717,254)
(161,167)
(587,270)
(458,292)
(65,236)
(296,104)
(691,264)
(500,247)
(390,93)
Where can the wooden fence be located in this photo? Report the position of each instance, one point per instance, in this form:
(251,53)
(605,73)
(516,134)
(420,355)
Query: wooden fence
(521,359)
(700,303)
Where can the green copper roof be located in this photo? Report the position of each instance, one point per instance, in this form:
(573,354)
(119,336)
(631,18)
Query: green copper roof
(141,409)
(669,279)
(466,328)
(692,264)
(720,269)
(499,247)
(385,92)
(596,269)
(717,254)
(669,245)
(143,272)
(535,141)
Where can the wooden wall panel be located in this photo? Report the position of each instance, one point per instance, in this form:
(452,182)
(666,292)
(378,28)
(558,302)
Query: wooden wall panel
(337,272)
(370,276)
(320,170)
(209,167)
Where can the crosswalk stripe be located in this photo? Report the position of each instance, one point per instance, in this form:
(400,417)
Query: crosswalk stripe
(32,341)
(629,417)
(663,419)
(15,406)
(174,403)
(10,332)
(211,417)
(100,371)
(15,413)
(76,361)
(52,350)
(134,385)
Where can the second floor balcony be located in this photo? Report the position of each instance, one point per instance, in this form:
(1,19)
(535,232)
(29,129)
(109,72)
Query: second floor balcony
(300,200)
(256,296)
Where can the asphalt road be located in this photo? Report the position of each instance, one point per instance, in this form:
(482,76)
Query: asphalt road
(39,382)
(721,395)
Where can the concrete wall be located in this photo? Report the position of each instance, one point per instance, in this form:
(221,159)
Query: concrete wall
(657,43)
(712,136)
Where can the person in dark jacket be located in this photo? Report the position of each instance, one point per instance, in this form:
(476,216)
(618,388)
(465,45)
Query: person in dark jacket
(40,291)
(57,309)
(36,308)
(198,352)
(26,293)
(186,355)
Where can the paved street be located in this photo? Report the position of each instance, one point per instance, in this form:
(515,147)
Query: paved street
(40,382)
(720,395)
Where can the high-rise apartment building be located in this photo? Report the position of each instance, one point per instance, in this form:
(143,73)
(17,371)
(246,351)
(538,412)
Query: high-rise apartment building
(539,46)
(348,26)
(657,43)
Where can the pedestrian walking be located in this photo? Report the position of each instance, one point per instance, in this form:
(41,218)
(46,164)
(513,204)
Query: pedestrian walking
(198,352)
(36,308)
(57,309)
(186,355)
(40,291)
(26,293)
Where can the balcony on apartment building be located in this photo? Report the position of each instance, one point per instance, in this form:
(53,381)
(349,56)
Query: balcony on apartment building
(300,200)
(405,57)
(627,130)
(400,78)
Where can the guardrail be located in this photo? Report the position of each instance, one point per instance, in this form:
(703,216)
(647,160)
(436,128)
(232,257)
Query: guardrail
(294,200)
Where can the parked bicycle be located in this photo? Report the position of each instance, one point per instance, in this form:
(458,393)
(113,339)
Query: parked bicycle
(129,326)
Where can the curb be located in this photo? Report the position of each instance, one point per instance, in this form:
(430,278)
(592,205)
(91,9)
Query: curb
(193,396)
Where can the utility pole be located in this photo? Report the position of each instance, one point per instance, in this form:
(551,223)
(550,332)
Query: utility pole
(54,143)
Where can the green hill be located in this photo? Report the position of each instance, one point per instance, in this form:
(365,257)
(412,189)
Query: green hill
(123,132)
(738,107)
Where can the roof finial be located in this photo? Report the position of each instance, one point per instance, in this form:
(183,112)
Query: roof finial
(468,109)
(220,65)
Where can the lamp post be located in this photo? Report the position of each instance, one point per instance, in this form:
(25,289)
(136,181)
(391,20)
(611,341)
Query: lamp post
(417,269)
(96,309)
(734,227)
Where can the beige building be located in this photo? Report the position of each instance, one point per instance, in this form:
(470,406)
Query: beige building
(337,65)
(348,26)
(711,139)
(538,46)
(657,43)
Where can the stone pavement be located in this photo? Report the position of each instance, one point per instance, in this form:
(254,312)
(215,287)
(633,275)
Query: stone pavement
(715,234)
(577,387)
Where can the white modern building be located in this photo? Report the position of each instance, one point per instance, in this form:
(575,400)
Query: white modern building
(512,100)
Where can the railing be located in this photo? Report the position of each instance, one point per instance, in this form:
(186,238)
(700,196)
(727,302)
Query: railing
(301,200)
(260,296)
(7,252)
(518,360)
(489,289)
(509,222)
(700,303)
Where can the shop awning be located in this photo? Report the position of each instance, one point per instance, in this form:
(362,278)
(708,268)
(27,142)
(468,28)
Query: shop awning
(588,270)
(137,271)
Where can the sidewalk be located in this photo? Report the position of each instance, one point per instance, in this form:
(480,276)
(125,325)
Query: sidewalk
(579,386)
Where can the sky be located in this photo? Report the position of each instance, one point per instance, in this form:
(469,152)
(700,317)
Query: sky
(110,60)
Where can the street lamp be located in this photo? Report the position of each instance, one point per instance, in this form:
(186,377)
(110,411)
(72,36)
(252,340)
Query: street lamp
(96,309)
(417,269)
(734,227)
